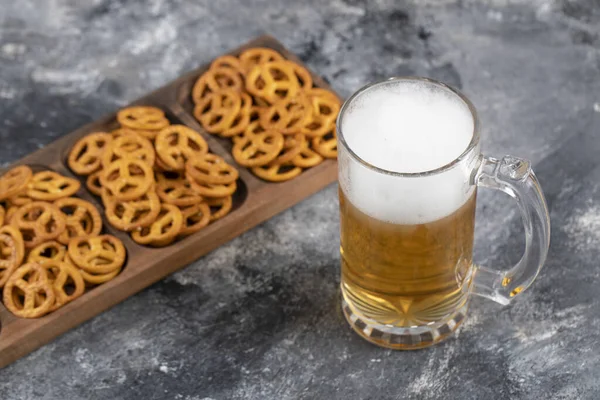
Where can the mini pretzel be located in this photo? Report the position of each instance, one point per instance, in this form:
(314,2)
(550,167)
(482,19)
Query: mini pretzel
(219,207)
(16,236)
(326,145)
(142,118)
(277,172)
(129,146)
(213,190)
(84,157)
(162,231)
(127,178)
(47,251)
(215,80)
(177,143)
(307,158)
(227,61)
(30,281)
(325,108)
(63,276)
(217,111)
(9,254)
(242,119)
(48,185)
(93,182)
(14,181)
(97,255)
(133,214)
(38,221)
(174,189)
(195,217)
(287,115)
(257,149)
(210,169)
(292,147)
(273,81)
(256,56)
(82,219)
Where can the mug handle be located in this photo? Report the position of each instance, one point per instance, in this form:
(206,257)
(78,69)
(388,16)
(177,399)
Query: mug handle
(513,176)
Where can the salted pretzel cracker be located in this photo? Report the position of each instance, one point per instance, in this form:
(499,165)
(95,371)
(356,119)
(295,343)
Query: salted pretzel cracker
(49,186)
(97,255)
(38,222)
(26,284)
(177,143)
(85,156)
(162,231)
(142,118)
(257,149)
(82,219)
(127,178)
(14,181)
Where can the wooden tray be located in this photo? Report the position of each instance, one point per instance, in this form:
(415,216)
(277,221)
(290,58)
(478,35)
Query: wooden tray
(254,202)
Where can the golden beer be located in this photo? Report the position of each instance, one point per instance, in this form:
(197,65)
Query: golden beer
(406,275)
(409,164)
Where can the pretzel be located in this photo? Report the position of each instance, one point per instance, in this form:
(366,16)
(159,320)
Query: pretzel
(162,231)
(325,108)
(132,214)
(273,81)
(253,128)
(14,181)
(38,221)
(93,182)
(212,190)
(242,119)
(82,219)
(27,283)
(292,147)
(256,56)
(326,145)
(277,172)
(174,189)
(64,277)
(177,143)
(129,146)
(288,115)
(219,207)
(215,80)
(195,217)
(307,158)
(142,118)
(257,149)
(84,157)
(217,111)
(210,169)
(49,185)
(97,255)
(51,250)
(17,237)
(9,260)
(127,178)
(227,61)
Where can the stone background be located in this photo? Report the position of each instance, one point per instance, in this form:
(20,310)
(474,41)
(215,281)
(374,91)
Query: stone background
(259,318)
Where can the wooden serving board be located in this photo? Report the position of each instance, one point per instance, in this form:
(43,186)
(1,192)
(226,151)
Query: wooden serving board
(254,202)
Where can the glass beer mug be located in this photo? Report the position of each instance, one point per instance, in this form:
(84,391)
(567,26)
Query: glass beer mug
(409,167)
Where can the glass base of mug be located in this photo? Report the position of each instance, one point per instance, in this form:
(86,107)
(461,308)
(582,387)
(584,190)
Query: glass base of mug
(411,338)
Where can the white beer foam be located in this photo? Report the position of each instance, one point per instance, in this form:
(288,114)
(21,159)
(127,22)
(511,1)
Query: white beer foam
(410,127)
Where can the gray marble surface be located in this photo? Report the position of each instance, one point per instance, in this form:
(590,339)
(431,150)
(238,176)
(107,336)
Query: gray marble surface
(259,318)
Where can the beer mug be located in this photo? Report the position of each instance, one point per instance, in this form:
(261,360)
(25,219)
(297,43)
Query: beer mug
(409,167)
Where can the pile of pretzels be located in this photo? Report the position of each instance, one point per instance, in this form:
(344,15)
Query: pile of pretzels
(279,123)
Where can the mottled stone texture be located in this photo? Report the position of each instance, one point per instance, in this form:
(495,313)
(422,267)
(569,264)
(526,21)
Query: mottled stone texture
(259,318)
